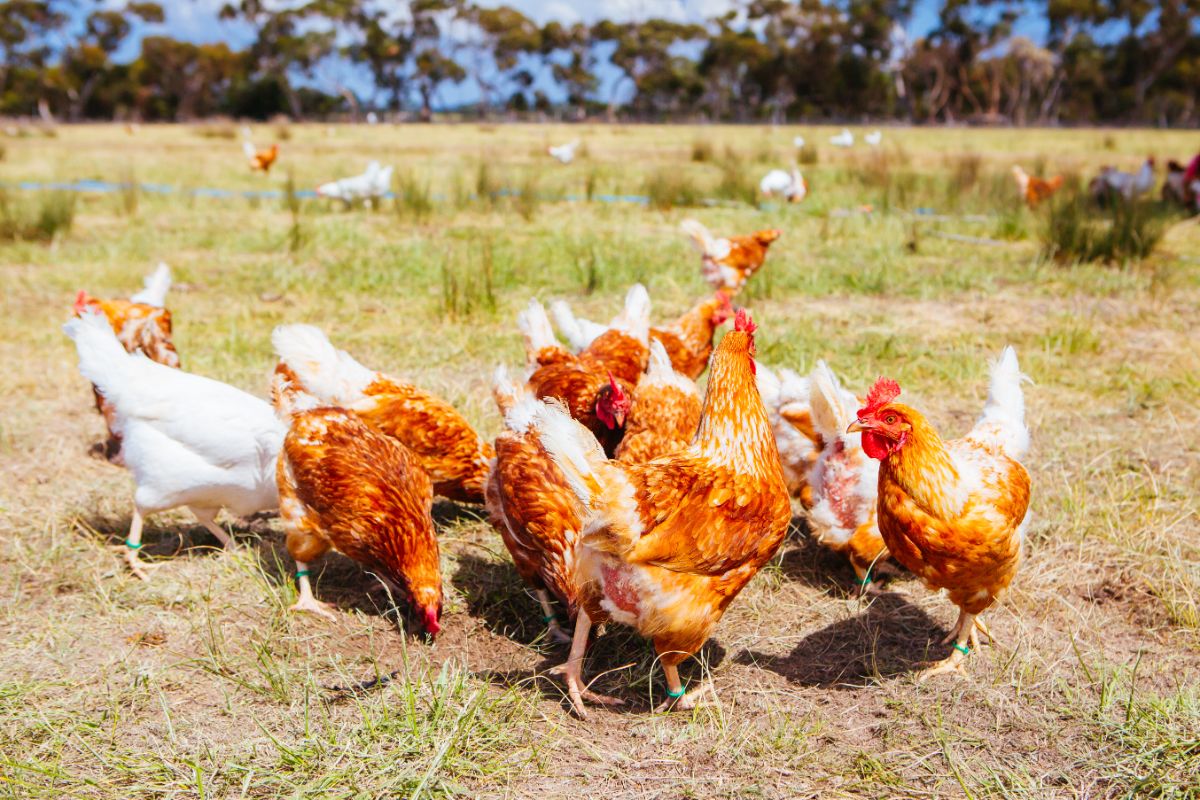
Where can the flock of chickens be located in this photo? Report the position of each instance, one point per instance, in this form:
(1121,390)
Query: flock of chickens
(624,493)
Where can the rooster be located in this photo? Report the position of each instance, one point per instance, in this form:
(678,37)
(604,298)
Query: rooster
(447,447)
(142,325)
(727,263)
(260,160)
(596,384)
(954,513)
(843,481)
(786,397)
(666,546)
(188,440)
(688,339)
(664,414)
(791,186)
(346,486)
(372,184)
(1034,189)
(531,506)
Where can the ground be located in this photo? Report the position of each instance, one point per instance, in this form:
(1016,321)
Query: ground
(201,684)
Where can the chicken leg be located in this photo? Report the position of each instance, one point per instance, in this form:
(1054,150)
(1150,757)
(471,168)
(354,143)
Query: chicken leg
(208,518)
(964,637)
(677,698)
(573,670)
(133,544)
(553,628)
(306,601)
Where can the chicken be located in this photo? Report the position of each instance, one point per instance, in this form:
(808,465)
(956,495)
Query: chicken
(798,142)
(531,506)
(142,325)
(346,486)
(564,153)
(843,139)
(1182,184)
(665,412)
(791,186)
(954,513)
(1034,189)
(843,482)
(1115,183)
(260,160)
(187,440)
(688,339)
(596,385)
(874,138)
(666,546)
(372,184)
(727,263)
(447,447)
(786,398)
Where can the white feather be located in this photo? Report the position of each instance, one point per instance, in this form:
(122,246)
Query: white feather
(331,374)
(579,332)
(1003,419)
(535,327)
(155,287)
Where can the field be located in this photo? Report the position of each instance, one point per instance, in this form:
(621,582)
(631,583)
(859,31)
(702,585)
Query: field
(199,684)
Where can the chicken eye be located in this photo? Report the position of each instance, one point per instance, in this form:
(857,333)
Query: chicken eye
(890,419)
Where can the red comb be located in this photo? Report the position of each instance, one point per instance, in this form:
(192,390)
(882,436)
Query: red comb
(618,392)
(81,301)
(743,322)
(884,391)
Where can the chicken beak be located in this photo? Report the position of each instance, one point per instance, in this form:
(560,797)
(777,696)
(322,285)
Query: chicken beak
(855,427)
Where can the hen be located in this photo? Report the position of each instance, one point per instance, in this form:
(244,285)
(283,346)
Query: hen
(346,486)
(142,325)
(791,186)
(447,447)
(260,160)
(372,184)
(666,546)
(1034,189)
(596,384)
(563,153)
(728,262)
(954,513)
(786,397)
(843,482)
(189,441)
(531,506)
(664,414)
(1112,183)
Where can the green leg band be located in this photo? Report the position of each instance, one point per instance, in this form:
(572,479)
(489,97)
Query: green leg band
(549,618)
(133,546)
(682,691)
(301,573)
(962,648)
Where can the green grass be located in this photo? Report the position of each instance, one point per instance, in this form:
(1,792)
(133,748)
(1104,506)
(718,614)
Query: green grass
(202,684)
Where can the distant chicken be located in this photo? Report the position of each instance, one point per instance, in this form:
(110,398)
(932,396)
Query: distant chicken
(564,153)
(344,485)
(688,339)
(873,139)
(665,412)
(447,447)
(260,160)
(954,513)
(1128,186)
(844,482)
(1034,189)
(786,398)
(669,544)
(531,506)
(371,185)
(843,139)
(791,186)
(728,262)
(187,440)
(142,325)
(597,384)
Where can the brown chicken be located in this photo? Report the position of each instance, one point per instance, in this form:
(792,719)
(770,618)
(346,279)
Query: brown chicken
(1034,189)
(727,263)
(689,339)
(448,448)
(142,325)
(260,160)
(664,415)
(345,486)
(531,506)
(597,384)
(954,513)
(668,545)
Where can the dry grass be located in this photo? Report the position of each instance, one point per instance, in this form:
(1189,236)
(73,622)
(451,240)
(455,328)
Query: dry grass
(200,684)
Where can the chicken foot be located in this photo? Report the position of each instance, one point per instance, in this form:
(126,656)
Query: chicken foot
(964,638)
(306,601)
(133,544)
(208,518)
(573,670)
(553,628)
(677,698)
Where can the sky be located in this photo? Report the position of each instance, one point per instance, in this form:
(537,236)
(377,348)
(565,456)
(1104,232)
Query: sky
(198,21)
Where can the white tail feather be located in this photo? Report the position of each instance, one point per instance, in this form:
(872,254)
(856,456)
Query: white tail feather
(635,318)
(769,385)
(660,371)
(830,413)
(102,359)
(1003,418)
(579,332)
(535,327)
(573,449)
(701,237)
(331,374)
(155,286)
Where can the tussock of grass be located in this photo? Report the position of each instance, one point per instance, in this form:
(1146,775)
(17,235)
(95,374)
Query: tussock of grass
(809,155)
(702,150)
(37,217)
(216,128)
(1075,230)
(669,188)
(414,199)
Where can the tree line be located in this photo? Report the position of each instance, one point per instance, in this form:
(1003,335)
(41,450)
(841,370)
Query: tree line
(1119,61)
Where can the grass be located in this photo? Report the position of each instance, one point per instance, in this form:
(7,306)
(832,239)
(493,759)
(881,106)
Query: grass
(201,684)
(36,218)
(1077,230)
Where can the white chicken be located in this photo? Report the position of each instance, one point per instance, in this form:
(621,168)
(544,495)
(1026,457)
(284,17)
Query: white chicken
(791,186)
(843,139)
(873,139)
(580,332)
(564,153)
(798,142)
(188,440)
(372,184)
(1127,185)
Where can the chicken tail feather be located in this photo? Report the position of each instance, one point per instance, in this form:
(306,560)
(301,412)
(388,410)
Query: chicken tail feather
(155,287)
(635,318)
(102,359)
(700,235)
(331,374)
(1003,420)
(573,328)
(535,327)
(830,413)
